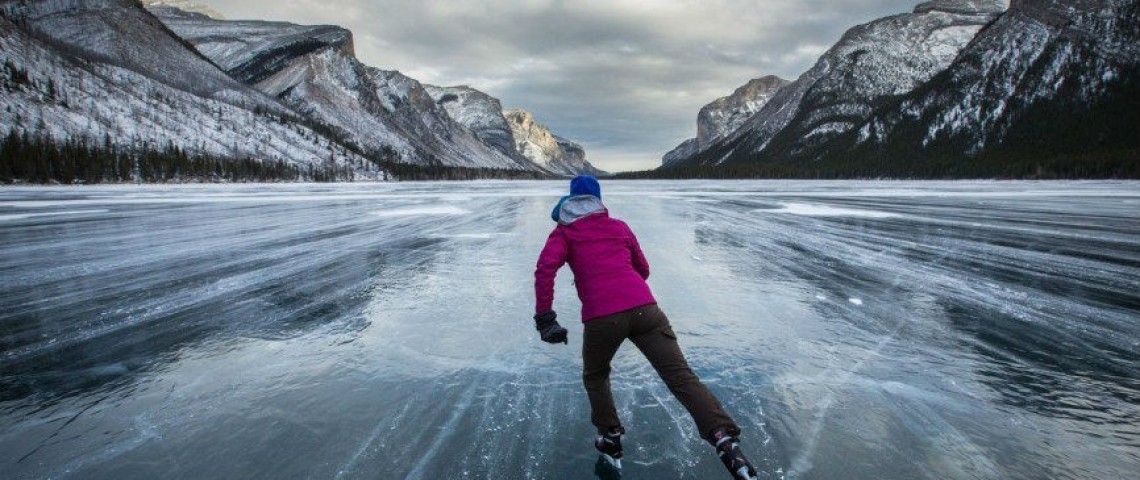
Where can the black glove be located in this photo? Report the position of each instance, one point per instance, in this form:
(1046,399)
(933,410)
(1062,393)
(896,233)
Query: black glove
(549,328)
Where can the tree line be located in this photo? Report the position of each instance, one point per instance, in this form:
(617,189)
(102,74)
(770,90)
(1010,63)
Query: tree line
(1120,163)
(32,159)
(412,172)
(24,158)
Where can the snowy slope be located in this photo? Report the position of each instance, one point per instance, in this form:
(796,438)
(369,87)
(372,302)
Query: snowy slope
(553,153)
(871,62)
(479,112)
(313,70)
(1049,76)
(121,33)
(103,87)
(681,153)
(724,115)
(251,50)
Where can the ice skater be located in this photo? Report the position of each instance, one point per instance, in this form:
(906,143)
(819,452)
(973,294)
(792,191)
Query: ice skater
(609,273)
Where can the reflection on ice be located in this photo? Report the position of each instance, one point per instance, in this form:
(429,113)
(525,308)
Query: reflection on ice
(889,330)
(22,216)
(827,211)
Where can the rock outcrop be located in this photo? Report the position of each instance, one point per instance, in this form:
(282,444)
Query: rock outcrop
(550,151)
(726,114)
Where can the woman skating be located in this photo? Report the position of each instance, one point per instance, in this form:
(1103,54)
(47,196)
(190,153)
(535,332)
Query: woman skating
(609,273)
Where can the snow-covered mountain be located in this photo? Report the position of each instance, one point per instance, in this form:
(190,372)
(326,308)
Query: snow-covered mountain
(480,113)
(313,70)
(115,32)
(110,72)
(1048,78)
(520,136)
(555,154)
(726,114)
(113,73)
(251,51)
(871,62)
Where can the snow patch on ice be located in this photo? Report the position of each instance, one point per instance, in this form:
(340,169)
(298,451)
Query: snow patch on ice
(828,211)
(855,301)
(22,216)
(468,236)
(421,210)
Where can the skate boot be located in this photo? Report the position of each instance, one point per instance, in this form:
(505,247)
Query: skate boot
(609,444)
(728,449)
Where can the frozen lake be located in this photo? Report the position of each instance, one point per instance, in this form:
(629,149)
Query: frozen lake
(873,330)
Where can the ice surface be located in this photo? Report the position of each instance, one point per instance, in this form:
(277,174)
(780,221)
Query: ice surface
(288,331)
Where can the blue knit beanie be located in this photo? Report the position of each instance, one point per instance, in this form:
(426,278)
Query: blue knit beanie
(585,185)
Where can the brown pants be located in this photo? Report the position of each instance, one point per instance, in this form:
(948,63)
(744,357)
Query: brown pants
(649,329)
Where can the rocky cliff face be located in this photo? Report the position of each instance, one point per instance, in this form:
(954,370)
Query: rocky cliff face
(514,133)
(550,151)
(251,51)
(480,113)
(724,115)
(312,69)
(108,71)
(870,63)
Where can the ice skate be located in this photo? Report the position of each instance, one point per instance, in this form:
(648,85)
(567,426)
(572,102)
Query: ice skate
(728,449)
(609,444)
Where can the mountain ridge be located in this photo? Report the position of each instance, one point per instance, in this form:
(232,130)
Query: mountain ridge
(723,116)
(254,90)
(94,88)
(873,61)
(1045,89)
(313,69)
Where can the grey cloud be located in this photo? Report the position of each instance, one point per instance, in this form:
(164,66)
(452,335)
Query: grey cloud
(623,77)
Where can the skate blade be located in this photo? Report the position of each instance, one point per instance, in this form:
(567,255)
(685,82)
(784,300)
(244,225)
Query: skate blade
(607,468)
(742,473)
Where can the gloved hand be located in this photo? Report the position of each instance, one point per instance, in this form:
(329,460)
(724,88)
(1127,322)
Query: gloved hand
(549,329)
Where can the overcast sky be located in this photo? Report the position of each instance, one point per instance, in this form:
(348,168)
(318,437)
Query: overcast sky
(625,78)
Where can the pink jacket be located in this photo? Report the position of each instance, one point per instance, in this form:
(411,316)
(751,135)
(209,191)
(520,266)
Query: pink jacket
(609,268)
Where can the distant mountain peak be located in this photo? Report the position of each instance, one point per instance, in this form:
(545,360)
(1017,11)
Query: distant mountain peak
(965,7)
(185,6)
(723,116)
(536,142)
(478,112)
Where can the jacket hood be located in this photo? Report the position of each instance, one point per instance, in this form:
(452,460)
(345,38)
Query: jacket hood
(572,208)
